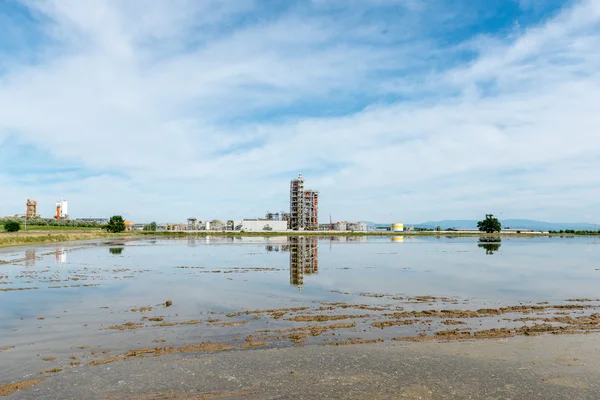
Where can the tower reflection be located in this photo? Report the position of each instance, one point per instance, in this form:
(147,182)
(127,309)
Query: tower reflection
(304,259)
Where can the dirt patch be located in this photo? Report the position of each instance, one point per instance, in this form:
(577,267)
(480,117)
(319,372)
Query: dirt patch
(323,318)
(385,324)
(190,322)
(105,361)
(10,388)
(125,326)
(275,313)
(204,347)
(232,323)
(50,371)
(16,289)
(354,341)
(6,348)
(49,358)
(452,322)
(141,309)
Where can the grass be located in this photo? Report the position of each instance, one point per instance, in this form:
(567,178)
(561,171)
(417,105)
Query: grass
(54,228)
(40,237)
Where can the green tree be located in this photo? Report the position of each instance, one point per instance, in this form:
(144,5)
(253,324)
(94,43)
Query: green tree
(150,227)
(12,226)
(489,224)
(116,224)
(438,228)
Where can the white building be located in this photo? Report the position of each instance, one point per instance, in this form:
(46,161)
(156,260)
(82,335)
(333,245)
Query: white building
(260,225)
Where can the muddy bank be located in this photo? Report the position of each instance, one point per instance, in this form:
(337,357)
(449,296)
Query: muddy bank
(517,368)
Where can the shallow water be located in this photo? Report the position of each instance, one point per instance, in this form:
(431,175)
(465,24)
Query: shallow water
(78,291)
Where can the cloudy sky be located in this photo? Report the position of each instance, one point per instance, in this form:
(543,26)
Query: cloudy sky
(407,110)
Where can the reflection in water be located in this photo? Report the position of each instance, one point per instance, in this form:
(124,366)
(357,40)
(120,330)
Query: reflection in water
(397,238)
(490,244)
(191,241)
(115,250)
(61,255)
(303,259)
(30,258)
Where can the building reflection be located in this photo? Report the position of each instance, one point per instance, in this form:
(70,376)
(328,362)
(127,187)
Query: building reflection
(30,258)
(304,259)
(61,255)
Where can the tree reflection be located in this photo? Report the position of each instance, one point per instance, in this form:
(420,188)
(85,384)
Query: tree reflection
(490,244)
(115,250)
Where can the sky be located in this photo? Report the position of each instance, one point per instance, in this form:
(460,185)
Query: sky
(395,110)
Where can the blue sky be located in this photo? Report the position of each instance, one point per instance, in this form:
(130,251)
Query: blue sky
(406,110)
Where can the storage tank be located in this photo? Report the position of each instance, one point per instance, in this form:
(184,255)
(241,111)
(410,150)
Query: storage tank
(398,227)
(63,209)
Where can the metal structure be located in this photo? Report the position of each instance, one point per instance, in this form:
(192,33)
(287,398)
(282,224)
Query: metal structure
(192,224)
(31,208)
(304,206)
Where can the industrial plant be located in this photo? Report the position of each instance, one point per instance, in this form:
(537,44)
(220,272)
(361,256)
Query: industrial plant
(303,215)
(61,210)
(304,207)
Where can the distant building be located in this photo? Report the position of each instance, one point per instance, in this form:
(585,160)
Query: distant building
(397,227)
(260,225)
(356,226)
(304,206)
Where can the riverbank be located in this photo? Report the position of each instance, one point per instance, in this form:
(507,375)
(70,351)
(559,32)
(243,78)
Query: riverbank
(30,237)
(541,367)
(41,236)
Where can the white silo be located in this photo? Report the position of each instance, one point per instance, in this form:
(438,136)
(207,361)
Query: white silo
(64,213)
(397,227)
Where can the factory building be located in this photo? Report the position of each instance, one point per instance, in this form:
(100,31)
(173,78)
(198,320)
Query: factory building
(31,209)
(260,225)
(304,207)
(62,211)
(350,226)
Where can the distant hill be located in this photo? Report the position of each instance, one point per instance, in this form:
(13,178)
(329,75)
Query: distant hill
(512,223)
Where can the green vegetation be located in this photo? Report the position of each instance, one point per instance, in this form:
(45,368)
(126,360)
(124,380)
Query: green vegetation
(12,226)
(150,227)
(489,224)
(28,238)
(574,232)
(50,222)
(116,224)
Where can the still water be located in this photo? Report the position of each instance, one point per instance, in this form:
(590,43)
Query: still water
(61,302)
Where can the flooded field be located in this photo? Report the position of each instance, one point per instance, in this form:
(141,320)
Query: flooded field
(97,302)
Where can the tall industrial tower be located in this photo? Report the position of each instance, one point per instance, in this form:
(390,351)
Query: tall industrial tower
(304,206)
(296,204)
(31,208)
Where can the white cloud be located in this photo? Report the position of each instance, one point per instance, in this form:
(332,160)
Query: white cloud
(186,101)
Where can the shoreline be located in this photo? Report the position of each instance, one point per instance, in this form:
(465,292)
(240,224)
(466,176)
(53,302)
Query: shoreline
(32,237)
